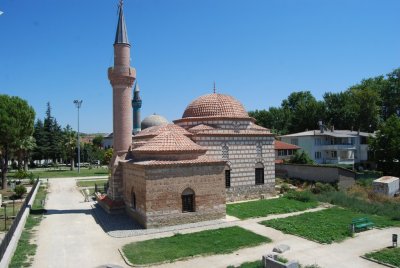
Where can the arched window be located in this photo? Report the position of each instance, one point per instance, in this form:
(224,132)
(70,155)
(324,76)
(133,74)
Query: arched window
(227,176)
(133,199)
(188,199)
(259,173)
(225,151)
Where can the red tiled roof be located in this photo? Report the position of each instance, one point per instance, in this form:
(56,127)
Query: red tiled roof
(170,142)
(232,132)
(215,105)
(200,127)
(157,130)
(200,160)
(280,145)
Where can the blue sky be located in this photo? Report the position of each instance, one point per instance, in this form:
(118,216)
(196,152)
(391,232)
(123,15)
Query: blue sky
(258,51)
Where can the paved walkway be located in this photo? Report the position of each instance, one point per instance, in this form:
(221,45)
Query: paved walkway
(70,236)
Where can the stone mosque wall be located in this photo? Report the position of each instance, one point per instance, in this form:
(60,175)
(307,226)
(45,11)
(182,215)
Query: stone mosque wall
(244,152)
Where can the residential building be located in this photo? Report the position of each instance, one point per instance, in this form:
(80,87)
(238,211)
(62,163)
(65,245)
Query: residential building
(332,146)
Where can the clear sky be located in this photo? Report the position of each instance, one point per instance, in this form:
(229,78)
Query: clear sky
(258,51)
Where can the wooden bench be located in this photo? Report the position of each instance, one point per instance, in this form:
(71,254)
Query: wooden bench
(361,224)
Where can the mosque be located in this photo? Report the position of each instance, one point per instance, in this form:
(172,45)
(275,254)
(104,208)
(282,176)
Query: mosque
(185,171)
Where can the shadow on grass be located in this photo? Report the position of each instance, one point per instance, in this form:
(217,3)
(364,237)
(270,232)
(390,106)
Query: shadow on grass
(38,211)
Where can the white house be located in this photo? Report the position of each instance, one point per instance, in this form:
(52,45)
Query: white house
(332,146)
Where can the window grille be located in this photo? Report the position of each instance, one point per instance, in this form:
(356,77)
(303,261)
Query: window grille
(227,178)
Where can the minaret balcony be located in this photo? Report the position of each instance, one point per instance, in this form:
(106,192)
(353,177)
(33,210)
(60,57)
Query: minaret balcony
(124,75)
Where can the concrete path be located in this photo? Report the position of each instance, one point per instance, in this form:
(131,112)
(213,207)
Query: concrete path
(69,236)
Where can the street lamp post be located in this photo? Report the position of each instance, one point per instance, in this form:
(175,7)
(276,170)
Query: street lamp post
(78,104)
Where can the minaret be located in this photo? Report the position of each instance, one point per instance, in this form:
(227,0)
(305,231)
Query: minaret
(121,77)
(136,104)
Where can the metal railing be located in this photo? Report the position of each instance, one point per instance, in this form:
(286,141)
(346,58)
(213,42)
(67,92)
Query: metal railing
(7,238)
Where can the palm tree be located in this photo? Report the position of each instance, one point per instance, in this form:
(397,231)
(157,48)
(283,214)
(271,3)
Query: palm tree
(69,144)
(24,147)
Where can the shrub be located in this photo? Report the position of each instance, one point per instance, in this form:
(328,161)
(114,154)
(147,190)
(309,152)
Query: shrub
(21,174)
(31,177)
(303,196)
(282,259)
(322,188)
(284,188)
(388,209)
(19,190)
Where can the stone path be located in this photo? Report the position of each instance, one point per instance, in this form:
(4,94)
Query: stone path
(71,235)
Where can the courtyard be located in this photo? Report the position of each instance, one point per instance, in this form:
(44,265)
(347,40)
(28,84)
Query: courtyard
(73,233)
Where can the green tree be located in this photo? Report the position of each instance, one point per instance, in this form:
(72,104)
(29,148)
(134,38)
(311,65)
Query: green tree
(339,110)
(301,158)
(366,104)
(24,148)
(107,156)
(305,111)
(390,94)
(69,145)
(386,146)
(16,124)
(276,119)
(98,141)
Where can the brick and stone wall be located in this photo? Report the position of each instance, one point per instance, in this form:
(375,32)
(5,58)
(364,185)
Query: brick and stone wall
(242,156)
(162,188)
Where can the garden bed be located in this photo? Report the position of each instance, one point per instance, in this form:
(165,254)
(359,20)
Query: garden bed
(325,226)
(390,256)
(182,246)
(263,208)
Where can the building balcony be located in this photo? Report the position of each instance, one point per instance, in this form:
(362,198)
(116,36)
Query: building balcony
(336,147)
(338,160)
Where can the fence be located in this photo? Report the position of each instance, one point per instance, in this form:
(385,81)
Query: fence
(7,238)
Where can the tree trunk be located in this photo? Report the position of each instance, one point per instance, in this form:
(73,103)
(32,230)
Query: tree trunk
(26,161)
(20,157)
(72,163)
(4,169)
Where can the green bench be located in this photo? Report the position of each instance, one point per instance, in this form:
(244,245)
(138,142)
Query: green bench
(361,224)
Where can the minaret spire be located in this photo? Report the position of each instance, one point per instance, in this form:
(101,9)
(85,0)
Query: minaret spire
(121,36)
(136,105)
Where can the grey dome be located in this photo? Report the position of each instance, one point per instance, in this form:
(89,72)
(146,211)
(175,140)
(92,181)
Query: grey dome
(153,120)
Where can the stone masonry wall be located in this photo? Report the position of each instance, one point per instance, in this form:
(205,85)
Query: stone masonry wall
(243,154)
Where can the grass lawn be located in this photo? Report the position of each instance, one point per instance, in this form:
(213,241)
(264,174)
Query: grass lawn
(325,226)
(91,183)
(66,172)
(386,255)
(26,249)
(262,208)
(181,246)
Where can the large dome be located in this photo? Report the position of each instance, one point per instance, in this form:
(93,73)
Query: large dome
(153,120)
(215,105)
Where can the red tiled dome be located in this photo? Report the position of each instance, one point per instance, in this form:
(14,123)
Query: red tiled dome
(215,105)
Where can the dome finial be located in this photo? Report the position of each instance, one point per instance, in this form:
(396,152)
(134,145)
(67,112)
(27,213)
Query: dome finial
(214,88)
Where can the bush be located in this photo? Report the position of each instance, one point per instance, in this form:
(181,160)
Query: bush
(388,209)
(31,177)
(304,196)
(21,174)
(284,188)
(322,188)
(19,190)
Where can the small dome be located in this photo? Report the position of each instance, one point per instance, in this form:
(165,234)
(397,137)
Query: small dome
(153,120)
(215,105)
(157,130)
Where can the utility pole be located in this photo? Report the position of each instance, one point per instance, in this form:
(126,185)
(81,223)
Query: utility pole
(78,104)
